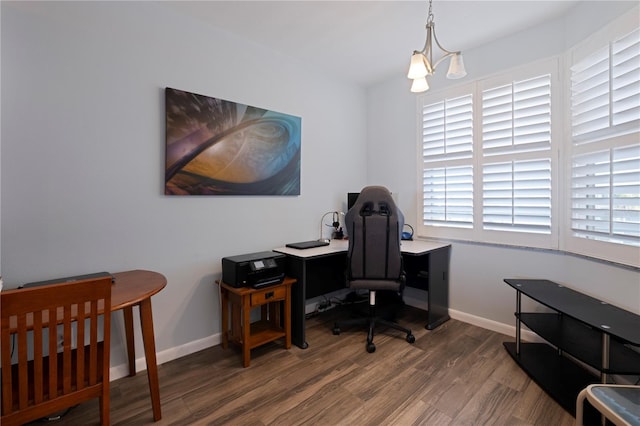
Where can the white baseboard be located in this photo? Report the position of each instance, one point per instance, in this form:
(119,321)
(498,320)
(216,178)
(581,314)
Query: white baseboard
(122,370)
(498,327)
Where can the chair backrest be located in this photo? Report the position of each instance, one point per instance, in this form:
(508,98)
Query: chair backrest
(374,226)
(37,380)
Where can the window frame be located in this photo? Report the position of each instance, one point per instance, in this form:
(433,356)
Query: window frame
(477,233)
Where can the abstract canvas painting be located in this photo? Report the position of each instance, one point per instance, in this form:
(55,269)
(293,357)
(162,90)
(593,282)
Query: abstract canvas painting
(219,147)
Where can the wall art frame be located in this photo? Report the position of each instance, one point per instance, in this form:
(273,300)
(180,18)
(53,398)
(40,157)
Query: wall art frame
(220,147)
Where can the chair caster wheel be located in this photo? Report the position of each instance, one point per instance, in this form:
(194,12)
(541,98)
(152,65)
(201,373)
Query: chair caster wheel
(411,338)
(336,330)
(371,348)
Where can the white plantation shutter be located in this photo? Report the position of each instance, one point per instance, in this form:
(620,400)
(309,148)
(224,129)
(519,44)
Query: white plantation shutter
(605,163)
(605,91)
(590,94)
(447,136)
(448,196)
(516,122)
(447,130)
(625,77)
(517,117)
(605,195)
(517,196)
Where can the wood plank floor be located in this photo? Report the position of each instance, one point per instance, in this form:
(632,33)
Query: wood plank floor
(458,374)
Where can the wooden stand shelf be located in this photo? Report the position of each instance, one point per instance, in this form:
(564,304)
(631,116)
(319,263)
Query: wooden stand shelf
(275,319)
(583,329)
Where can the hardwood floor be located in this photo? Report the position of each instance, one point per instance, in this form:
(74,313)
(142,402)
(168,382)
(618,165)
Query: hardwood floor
(458,374)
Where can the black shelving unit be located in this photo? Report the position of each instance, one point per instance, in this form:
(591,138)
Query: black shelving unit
(581,331)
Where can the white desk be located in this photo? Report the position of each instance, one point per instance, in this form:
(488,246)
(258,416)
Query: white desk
(414,247)
(320,270)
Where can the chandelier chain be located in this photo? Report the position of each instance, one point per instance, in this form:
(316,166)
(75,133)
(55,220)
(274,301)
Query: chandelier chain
(430,15)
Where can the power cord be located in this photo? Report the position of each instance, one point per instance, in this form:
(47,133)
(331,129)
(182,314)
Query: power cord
(58,416)
(321,306)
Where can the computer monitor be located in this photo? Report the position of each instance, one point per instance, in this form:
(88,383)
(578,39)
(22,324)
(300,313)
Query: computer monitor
(351,199)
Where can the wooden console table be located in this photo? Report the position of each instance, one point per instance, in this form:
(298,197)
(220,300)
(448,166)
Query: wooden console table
(592,331)
(275,321)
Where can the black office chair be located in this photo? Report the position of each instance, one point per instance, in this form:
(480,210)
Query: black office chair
(374,261)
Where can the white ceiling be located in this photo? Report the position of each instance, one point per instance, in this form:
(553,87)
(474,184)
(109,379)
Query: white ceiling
(368,41)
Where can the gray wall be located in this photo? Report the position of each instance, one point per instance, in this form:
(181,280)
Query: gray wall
(83,153)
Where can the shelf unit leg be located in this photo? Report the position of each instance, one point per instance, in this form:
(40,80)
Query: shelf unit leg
(518,310)
(604,377)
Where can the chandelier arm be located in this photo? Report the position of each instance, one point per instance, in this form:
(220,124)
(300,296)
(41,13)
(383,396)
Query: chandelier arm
(447,55)
(448,52)
(428,50)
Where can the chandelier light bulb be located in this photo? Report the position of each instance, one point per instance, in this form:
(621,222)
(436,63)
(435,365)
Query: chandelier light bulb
(456,67)
(420,85)
(417,69)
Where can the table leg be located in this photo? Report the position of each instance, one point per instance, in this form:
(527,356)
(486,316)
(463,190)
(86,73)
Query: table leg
(287,318)
(246,331)
(131,347)
(225,317)
(146,321)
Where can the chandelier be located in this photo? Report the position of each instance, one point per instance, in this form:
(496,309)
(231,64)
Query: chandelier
(422,63)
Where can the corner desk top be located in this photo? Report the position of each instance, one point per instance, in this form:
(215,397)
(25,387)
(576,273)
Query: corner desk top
(413,247)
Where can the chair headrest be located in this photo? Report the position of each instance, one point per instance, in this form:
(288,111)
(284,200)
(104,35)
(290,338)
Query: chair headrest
(368,209)
(375,199)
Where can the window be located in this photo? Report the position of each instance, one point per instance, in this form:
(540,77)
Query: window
(487,159)
(491,151)
(447,135)
(605,151)
(516,122)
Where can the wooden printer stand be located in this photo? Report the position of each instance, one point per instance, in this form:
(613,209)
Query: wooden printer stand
(275,321)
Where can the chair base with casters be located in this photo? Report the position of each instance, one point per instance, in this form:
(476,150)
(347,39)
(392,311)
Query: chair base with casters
(372,321)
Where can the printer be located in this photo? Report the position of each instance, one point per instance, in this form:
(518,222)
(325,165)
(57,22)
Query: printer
(254,269)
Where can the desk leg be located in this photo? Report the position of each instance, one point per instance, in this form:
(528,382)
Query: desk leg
(128,331)
(146,320)
(298,270)
(438,287)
